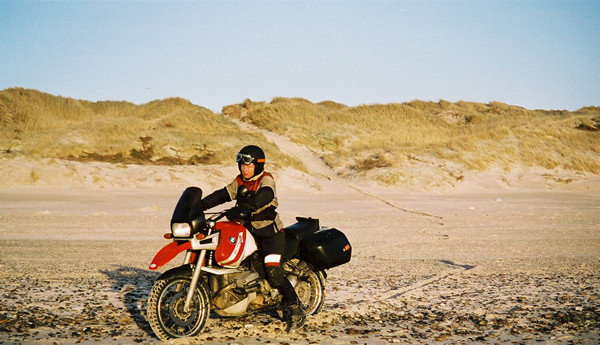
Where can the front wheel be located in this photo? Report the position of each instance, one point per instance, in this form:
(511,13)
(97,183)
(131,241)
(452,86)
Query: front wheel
(165,310)
(310,289)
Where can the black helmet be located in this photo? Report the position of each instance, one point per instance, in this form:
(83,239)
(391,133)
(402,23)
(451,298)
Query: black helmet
(251,154)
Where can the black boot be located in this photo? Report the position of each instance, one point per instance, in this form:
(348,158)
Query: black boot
(295,317)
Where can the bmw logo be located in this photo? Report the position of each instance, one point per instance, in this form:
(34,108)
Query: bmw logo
(231,239)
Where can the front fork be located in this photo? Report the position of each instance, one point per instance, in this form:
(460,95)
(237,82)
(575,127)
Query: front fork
(195,277)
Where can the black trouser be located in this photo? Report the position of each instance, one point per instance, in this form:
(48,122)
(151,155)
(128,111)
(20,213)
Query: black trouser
(271,246)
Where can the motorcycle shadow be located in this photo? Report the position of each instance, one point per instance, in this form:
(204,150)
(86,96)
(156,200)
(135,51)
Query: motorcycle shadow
(134,284)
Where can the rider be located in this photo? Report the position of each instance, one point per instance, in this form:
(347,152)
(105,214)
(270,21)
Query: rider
(264,224)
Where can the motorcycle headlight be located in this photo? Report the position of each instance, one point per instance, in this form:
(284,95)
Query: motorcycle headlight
(181,230)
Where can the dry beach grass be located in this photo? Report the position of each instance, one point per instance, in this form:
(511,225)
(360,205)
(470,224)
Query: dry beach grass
(445,255)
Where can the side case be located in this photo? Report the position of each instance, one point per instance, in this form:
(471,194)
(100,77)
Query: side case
(326,249)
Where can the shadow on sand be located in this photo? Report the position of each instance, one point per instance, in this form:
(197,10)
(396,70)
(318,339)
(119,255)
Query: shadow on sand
(134,284)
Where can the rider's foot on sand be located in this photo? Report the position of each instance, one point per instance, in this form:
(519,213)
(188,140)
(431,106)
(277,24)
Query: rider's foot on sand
(295,317)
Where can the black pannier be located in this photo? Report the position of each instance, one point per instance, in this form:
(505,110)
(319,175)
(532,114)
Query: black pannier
(326,248)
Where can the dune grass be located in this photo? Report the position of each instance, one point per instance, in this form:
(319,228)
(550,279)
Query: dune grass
(352,140)
(170,131)
(476,136)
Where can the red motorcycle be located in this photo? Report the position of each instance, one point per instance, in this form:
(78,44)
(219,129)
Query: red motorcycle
(223,271)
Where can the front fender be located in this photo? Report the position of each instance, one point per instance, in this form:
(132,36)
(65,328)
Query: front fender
(168,253)
(180,271)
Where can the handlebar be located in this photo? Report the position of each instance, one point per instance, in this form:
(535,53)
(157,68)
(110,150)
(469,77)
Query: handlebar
(238,215)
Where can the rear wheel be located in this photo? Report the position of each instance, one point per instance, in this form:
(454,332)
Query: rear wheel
(310,289)
(166,302)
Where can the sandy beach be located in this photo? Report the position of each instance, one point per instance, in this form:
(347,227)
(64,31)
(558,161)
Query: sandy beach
(476,265)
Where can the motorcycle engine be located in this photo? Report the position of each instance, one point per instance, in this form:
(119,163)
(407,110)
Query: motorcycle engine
(247,282)
(239,288)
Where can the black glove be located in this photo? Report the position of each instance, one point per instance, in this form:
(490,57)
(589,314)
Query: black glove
(239,212)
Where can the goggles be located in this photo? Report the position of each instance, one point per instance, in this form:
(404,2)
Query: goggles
(246,159)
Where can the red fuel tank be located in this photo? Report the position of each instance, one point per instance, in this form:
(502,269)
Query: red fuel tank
(235,244)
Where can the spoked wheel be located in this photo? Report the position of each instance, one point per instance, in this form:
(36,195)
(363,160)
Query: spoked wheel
(310,289)
(166,313)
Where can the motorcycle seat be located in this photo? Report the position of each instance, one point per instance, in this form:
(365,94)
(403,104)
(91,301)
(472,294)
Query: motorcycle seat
(302,229)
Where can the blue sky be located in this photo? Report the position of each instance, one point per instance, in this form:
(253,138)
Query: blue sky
(535,54)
